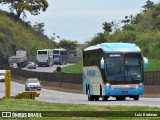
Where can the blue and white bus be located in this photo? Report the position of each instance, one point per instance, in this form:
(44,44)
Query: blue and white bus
(44,57)
(60,56)
(113,70)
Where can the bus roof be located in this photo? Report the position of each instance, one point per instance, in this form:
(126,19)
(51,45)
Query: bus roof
(60,49)
(44,50)
(115,47)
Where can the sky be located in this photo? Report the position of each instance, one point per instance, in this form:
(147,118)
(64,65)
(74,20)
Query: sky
(81,20)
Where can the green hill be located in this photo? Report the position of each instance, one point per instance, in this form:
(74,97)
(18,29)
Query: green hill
(142,29)
(16,34)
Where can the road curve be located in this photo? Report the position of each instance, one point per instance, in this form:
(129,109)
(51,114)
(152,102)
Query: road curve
(46,69)
(73,98)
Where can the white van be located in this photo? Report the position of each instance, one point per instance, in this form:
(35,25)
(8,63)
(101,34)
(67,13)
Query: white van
(2,75)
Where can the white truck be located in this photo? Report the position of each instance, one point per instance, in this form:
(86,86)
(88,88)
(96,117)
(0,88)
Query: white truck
(20,59)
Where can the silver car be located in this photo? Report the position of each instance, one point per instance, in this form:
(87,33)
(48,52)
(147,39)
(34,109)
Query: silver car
(31,65)
(32,84)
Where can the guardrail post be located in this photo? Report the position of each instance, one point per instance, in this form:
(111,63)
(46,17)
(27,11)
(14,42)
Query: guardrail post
(7,84)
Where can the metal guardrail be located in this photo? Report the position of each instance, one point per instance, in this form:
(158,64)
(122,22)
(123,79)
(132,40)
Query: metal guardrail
(150,78)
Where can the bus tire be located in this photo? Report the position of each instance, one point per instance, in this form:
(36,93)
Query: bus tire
(136,97)
(96,98)
(90,97)
(100,90)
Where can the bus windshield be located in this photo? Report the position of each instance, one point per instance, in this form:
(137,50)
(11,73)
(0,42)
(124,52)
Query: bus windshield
(124,67)
(42,52)
(56,56)
(55,51)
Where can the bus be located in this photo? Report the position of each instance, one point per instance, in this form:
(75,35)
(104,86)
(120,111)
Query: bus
(113,70)
(44,57)
(60,56)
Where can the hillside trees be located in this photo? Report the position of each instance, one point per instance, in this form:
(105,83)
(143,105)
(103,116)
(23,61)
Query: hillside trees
(98,38)
(149,4)
(39,27)
(69,45)
(107,26)
(21,6)
(142,29)
(102,36)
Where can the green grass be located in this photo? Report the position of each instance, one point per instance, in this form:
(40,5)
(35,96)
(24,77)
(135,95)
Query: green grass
(154,65)
(76,68)
(32,105)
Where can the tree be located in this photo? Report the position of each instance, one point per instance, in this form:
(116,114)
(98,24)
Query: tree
(148,5)
(107,26)
(39,27)
(21,6)
(128,19)
(70,46)
(98,38)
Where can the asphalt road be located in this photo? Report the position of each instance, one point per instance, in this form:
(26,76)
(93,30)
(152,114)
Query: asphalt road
(73,98)
(47,69)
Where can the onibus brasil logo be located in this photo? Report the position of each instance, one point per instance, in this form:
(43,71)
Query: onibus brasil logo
(20,114)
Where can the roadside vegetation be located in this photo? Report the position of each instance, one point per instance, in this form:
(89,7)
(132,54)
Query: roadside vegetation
(76,68)
(15,34)
(154,65)
(32,105)
(143,29)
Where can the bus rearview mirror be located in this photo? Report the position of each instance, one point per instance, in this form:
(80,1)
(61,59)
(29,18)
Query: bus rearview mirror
(145,62)
(102,63)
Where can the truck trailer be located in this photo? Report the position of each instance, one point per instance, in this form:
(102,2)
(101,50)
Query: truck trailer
(20,59)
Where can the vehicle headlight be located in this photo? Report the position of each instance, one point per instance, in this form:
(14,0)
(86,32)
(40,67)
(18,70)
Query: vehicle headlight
(137,86)
(108,85)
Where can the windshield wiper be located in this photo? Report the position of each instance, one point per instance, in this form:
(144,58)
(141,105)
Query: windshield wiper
(129,74)
(120,70)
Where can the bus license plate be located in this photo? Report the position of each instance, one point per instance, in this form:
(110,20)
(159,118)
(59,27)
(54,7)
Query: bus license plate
(125,92)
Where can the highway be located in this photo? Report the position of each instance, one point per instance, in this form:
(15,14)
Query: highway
(73,98)
(47,69)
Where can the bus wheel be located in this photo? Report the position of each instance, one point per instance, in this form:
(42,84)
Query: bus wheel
(90,97)
(136,97)
(96,98)
(104,98)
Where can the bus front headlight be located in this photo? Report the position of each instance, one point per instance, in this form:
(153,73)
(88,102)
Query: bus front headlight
(137,86)
(108,85)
